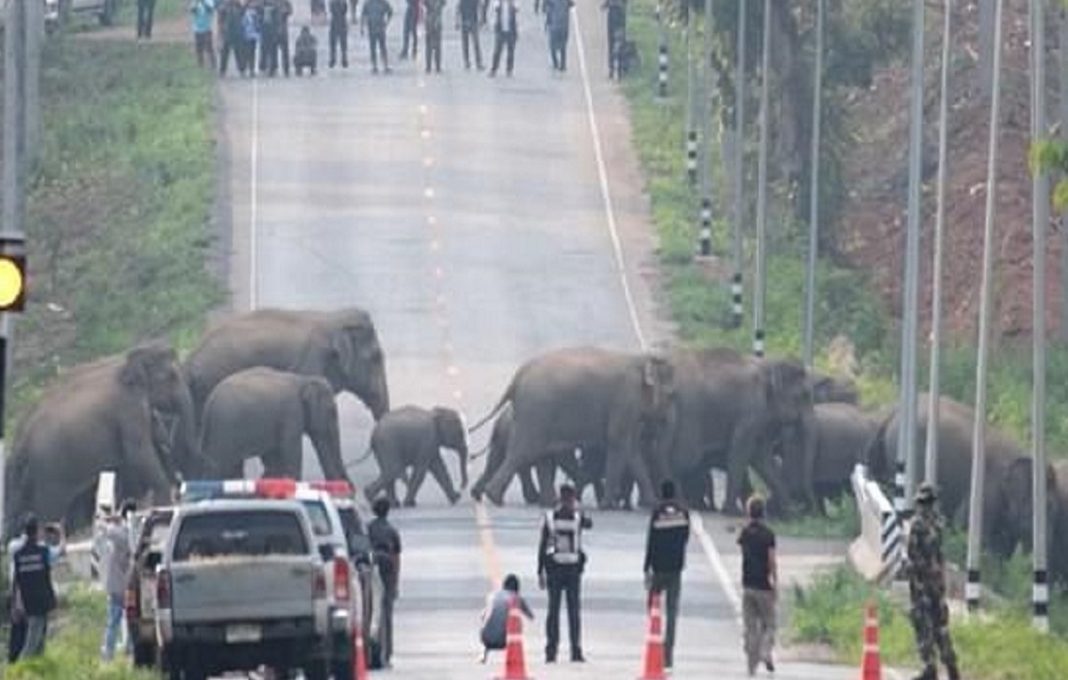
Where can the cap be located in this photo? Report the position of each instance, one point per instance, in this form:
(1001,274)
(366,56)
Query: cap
(926,494)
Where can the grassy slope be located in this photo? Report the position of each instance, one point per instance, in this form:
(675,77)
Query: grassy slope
(119,210)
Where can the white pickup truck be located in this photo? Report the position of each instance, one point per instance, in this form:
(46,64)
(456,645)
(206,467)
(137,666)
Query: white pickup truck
(60,11)
(242,586)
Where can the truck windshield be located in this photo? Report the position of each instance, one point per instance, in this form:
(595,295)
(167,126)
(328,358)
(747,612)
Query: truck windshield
(244,533)
(318,517)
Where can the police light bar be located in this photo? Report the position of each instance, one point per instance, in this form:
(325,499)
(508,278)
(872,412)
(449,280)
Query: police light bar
(276,488)
(202,490)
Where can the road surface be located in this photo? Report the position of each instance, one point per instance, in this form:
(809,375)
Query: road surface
(481,221)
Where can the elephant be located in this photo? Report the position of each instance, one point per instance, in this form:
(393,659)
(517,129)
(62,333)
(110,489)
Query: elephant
(828,389)
(262,412)
(412,437)
(1007,495)
(341,346)
(841,438)
(100,416)
(582,397)
(727,409)
(1058,524)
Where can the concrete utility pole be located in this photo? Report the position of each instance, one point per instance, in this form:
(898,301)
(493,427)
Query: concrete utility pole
(814,194)
(934,390)
(986,45)
(662,55)
(975,509)
(1040,223)
(739,168)
(706,111)
(762,191)
(34,32)
(691,99)
(1063,106)
(905,476)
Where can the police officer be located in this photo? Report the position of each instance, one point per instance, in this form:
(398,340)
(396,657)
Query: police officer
(617,32)
(927,587)
(339,32)
(33,586)
(506,32)
(665,557)
(386,542)
(560,565)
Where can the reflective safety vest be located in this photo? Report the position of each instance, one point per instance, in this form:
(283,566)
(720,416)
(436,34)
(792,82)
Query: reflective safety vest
(565,538)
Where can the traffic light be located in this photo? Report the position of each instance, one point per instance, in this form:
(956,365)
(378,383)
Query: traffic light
(12,275)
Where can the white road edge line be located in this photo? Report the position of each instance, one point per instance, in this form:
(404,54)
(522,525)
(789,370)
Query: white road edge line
(703,537)
(254,167)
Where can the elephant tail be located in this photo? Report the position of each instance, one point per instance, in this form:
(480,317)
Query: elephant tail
(505,399)
(366,454)
(481,452)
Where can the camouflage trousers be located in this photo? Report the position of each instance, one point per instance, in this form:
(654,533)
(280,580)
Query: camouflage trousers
(930,621)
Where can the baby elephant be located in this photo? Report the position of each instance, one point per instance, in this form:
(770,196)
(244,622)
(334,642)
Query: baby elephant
(412,437)
(265,413)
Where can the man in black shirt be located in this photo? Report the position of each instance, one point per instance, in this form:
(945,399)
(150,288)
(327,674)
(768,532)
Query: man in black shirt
(386,542)
(33,586)
(468,20)
(506,32)
(665,558)
(339,32)
(560,565)
(760,578)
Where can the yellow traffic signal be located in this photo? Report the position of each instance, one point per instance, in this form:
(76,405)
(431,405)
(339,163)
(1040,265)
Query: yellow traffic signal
(12,283)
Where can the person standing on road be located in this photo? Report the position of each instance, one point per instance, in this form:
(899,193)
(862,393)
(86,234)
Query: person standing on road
(339,32)
(494,633)
(55,543)
(375,18)
(665,557)
(411,29)
(145,10)
(250,34)
(760,580)
(506,33)
(386,542)
(282,10)
(32,585)
(561,562)
(469,21)
(117,557)
(230,12)
(617,33)
(927,587)
(558,23)
(203,12)
(434,11)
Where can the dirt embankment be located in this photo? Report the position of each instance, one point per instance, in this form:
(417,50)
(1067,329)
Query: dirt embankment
(871,232)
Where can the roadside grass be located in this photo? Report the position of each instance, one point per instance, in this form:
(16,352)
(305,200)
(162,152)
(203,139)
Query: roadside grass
(841,522)
(119,206)
(78,625)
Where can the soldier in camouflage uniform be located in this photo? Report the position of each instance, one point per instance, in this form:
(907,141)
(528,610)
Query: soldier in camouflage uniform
(927,587)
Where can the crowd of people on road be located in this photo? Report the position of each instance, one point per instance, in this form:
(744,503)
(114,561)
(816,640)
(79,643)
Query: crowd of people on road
(256,33)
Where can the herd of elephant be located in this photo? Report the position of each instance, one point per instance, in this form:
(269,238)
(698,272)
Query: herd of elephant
(259,382)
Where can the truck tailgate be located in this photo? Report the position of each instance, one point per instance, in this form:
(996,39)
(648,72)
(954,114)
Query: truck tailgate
(243,589)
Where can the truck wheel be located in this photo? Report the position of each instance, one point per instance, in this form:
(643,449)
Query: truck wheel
(144,654)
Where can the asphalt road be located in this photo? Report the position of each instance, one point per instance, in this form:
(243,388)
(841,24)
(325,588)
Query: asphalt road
(481,221)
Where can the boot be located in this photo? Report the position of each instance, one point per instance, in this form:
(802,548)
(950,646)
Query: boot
(951,670)
(929,673)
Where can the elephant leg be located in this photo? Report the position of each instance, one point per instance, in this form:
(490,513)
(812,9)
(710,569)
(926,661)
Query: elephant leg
(419,471)
(738,457)
(530,489)
(546,470)
(523,449)
(613,475)
(441,476)
(569,463)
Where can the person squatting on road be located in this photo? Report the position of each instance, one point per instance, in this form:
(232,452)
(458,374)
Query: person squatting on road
(506,33)
(470,17)
(145,10)
(117,553)
(760,579)
(494,633)
(558,23)
(927,587)
(665,557)
(411,29)
(339,32)
(386,542)
(32,591)
(304,52)
(56,547)
(203,12)
(434,11)
(232,36)
(561,562)
(616,33)
(375,18)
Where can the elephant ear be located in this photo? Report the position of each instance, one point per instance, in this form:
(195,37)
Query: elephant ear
(450,426)
(141,360)
(786,380)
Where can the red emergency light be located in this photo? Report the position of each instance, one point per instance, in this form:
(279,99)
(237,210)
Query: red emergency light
(277,488)
(338,488)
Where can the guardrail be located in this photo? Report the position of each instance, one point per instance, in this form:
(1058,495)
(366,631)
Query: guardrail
(878,553)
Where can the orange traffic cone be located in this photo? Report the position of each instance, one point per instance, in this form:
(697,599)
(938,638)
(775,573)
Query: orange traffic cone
(871,668)
(359,654)
(515,665)
(654,642)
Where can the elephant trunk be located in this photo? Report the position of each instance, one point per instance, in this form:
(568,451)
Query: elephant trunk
(190,457)
(328,447)
(378,399)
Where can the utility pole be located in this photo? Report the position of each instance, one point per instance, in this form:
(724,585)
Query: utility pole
(975,509)
(739,167)
(905,476)
(814,194)
(934,390)
(706,109)
(986,46)
(1040,223)
(1063,105)
(34,31)
(691,99)
(762,191)
(662,54)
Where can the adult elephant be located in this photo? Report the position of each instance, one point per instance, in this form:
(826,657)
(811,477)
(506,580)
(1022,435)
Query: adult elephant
(341,346)
(1007,493)
(265,413)
(828,389)
(100,416)
(1058,524)
(727,410)
(412,438)
(584,397)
